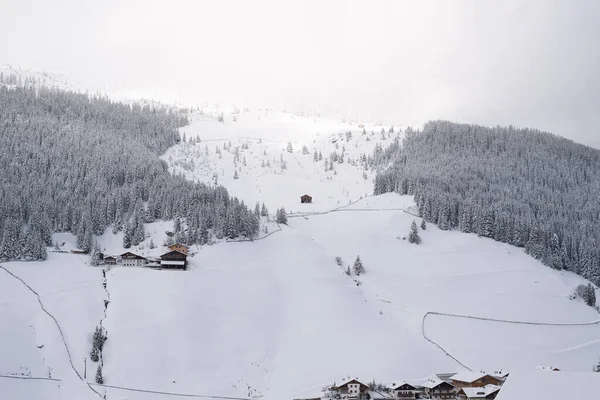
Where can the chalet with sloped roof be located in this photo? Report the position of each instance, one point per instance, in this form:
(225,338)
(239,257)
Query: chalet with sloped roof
(351,388)
(403,390)
(474,379)
(174,259)
(438,389)
(130,259)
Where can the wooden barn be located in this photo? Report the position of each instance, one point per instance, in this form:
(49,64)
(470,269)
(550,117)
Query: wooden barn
(173,259)
(179,247)
(305,199)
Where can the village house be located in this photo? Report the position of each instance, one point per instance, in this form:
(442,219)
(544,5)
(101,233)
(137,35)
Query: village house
(501,375)
(110,260)
(173,259)
(478,393)
(305,199)
(474,379)
(130,259)
(437,389)
(179,247)
(351,388)
(403,390)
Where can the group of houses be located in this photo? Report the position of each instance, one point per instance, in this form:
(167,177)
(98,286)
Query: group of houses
(175,258)
(465,385)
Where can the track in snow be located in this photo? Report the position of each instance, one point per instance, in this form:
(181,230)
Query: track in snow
(503,321)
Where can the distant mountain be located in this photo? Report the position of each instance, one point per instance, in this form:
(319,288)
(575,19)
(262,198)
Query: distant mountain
(519,186)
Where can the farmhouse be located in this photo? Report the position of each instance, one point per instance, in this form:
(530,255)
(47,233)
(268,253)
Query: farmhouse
(182,248)
(130,259)
(110,260)
(351,388)
(437,389)
(479,393)
(305,199)
(474,379)
(174,259)
(403,390)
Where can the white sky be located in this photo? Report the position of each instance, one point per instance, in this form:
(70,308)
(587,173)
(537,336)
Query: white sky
(527,63)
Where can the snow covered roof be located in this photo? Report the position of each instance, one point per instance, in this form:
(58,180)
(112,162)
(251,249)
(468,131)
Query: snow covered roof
(500,374)
(468,376)
(478,392)
(395,385)
(538,384)
(348,380)
(433,382)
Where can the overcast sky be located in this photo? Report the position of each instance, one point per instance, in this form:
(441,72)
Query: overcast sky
(525,63)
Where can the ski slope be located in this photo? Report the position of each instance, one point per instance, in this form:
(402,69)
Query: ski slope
(278,318)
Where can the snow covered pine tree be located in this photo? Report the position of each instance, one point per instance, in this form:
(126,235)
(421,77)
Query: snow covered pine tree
(413,236)
(358,266)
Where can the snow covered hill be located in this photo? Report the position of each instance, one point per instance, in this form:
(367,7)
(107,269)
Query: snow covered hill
(279,318)
(260,138)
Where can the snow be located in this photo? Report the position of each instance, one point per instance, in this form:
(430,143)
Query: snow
(480,392)
(548,385)
(468,376)
(31,344)
(432,382)
(269,132)
(278,317)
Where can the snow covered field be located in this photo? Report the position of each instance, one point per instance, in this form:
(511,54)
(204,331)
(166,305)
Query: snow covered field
(278,317)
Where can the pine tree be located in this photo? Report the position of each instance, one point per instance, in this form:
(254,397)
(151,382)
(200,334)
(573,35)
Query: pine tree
(281,216)
(590,296)
(95,256)
(94,354)
(413,236)
(99,378)
(127,236)
(358,267)
(320,156)
(263,211)
(235,175)
(423,224)
(257,209)
(289,148)
(315,156)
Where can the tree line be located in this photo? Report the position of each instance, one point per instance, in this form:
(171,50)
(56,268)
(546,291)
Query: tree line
(77,163)
(520,186)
